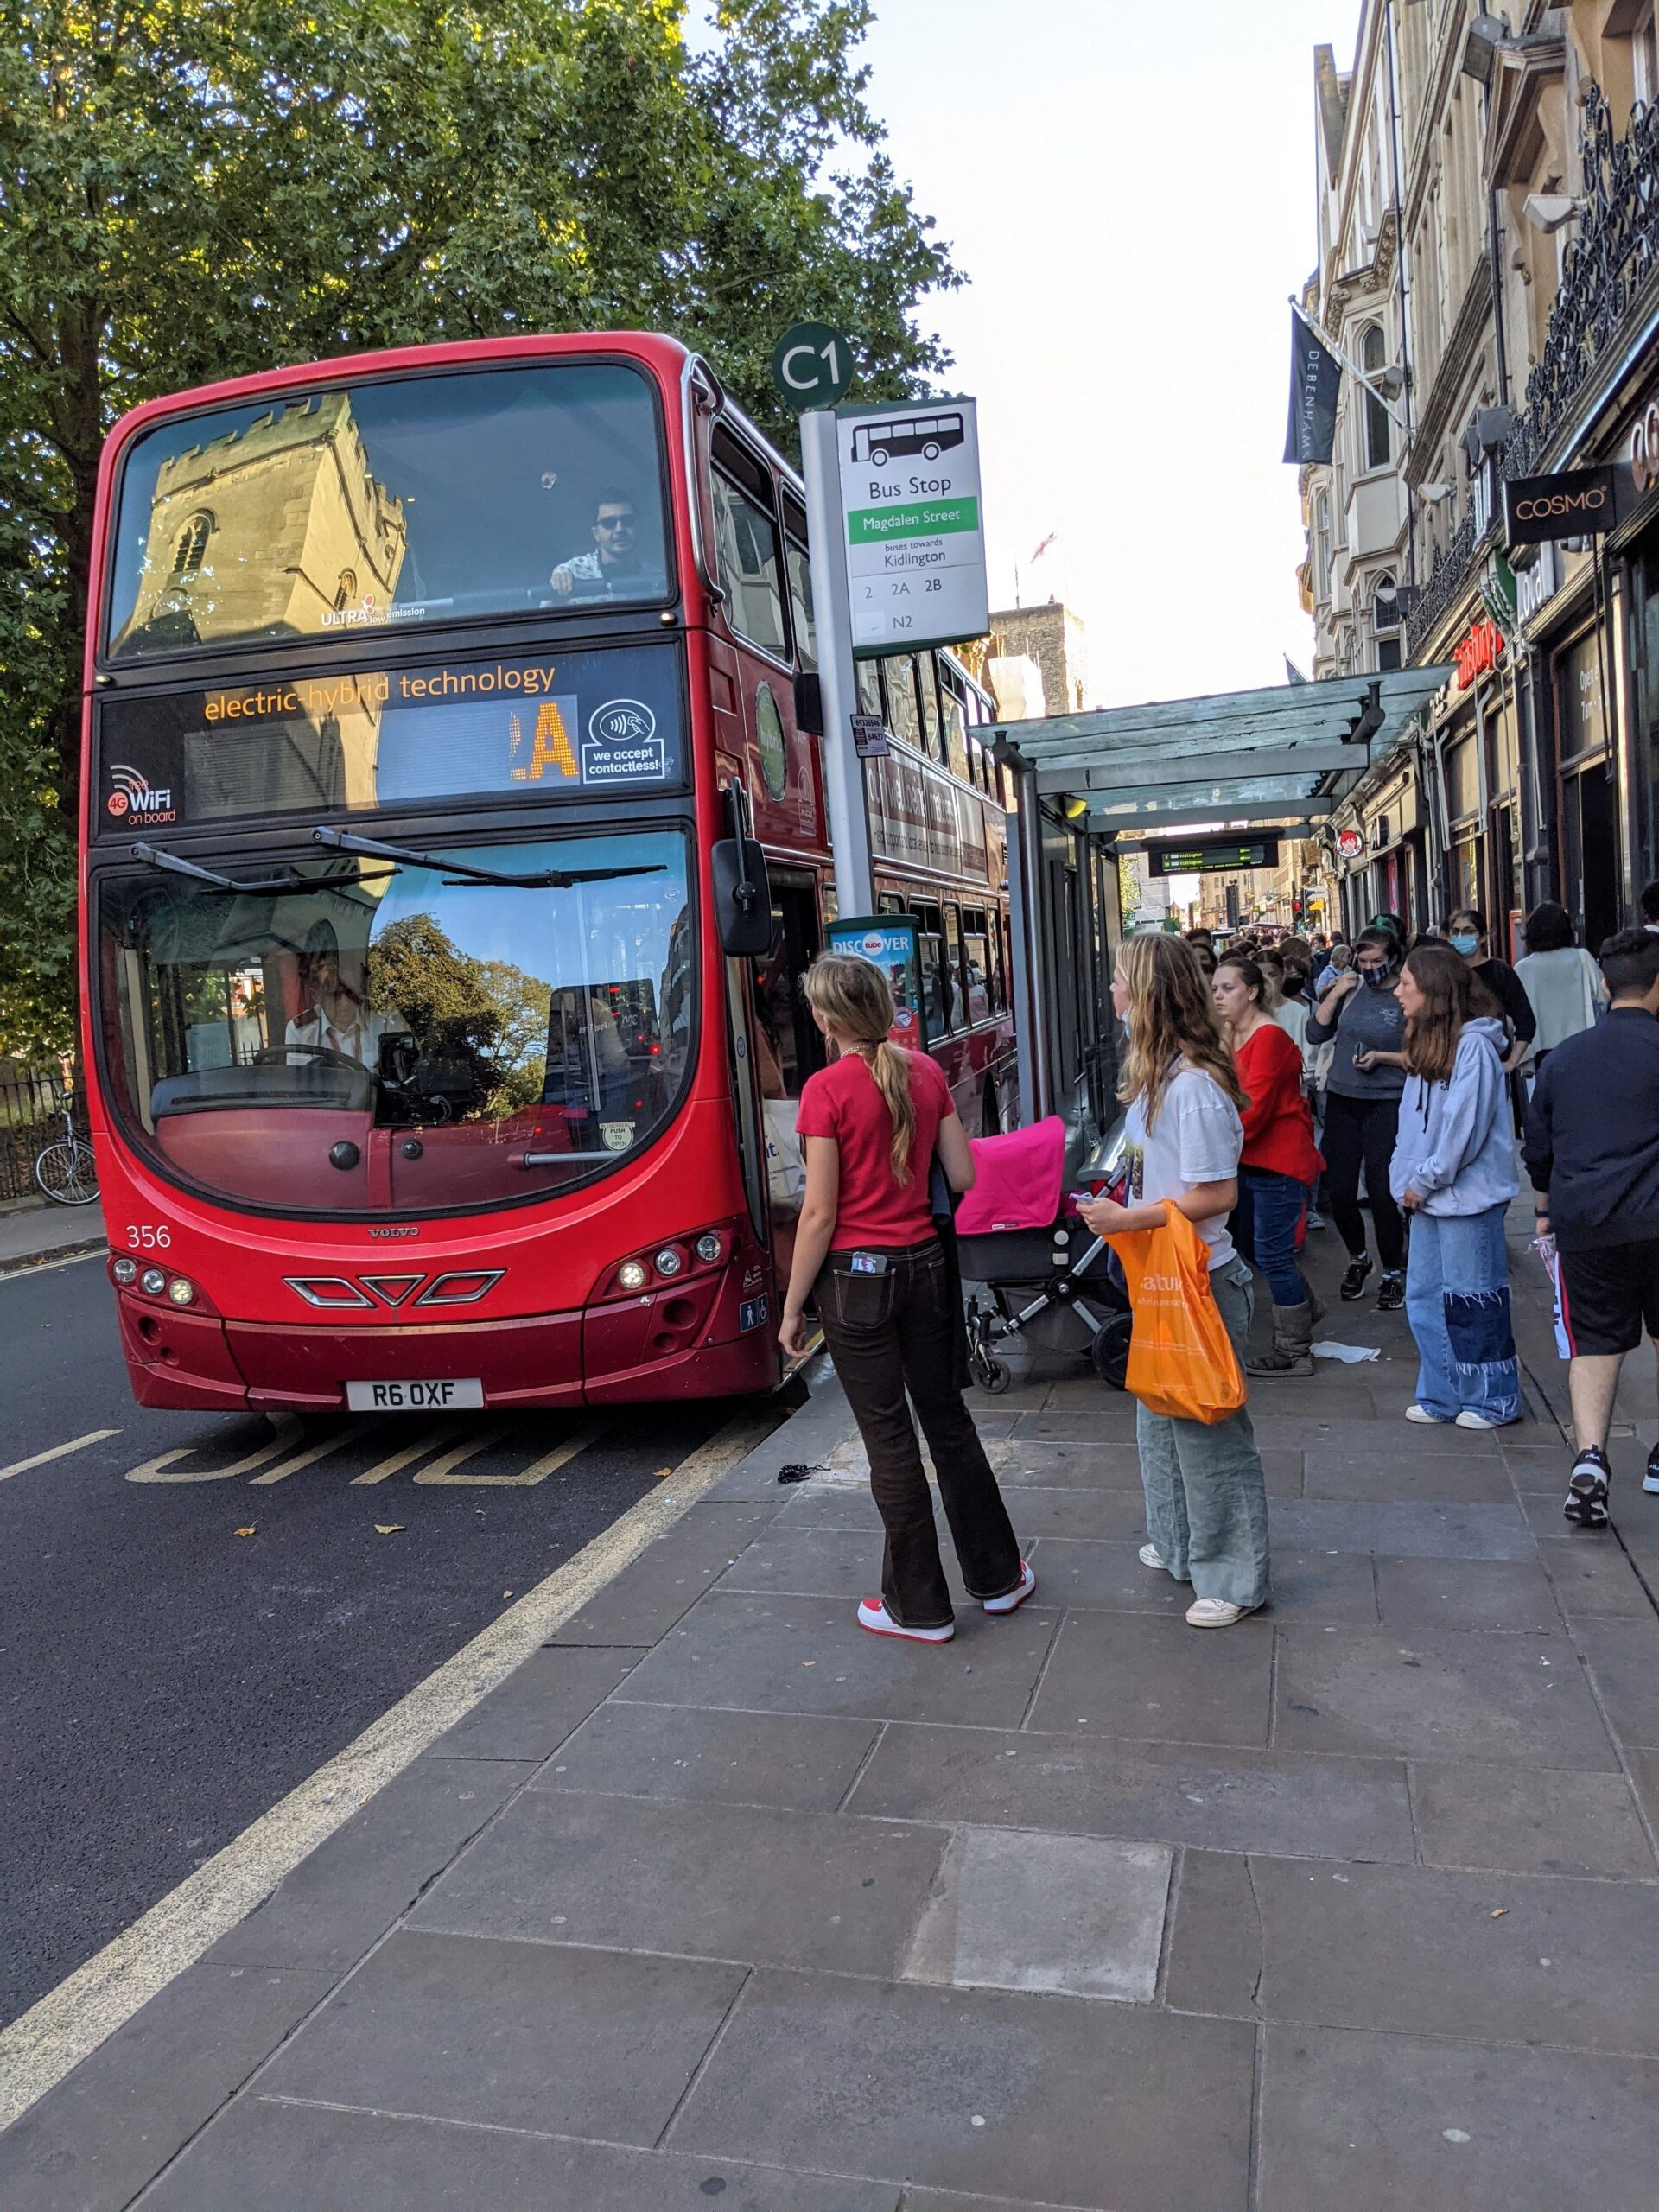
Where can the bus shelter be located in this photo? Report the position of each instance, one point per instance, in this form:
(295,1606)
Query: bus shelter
(1088,786)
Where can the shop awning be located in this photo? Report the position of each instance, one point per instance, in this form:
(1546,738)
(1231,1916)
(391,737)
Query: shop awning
(1288,753)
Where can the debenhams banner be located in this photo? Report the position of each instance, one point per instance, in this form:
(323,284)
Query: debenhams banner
(1576,503)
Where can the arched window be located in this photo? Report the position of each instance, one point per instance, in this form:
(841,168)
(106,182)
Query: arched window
(346,589)
(1385,621)
(1373,358)
(191,545)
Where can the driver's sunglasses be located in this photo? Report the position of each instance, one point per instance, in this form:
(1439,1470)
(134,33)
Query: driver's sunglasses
(615,522)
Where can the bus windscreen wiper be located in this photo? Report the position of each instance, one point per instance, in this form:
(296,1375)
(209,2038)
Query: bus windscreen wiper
(157,856)
(458,871)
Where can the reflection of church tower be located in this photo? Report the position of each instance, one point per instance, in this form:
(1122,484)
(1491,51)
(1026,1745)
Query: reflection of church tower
(278,529)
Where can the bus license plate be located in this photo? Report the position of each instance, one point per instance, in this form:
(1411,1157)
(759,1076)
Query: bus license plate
(412,1397)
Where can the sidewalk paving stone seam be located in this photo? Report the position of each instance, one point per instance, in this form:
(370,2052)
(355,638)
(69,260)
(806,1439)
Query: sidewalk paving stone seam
(863,1767)
(702,2064)
(1043,1668)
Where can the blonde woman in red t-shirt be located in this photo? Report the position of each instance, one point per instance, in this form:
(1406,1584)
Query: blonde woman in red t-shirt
(1280,1163)
(867,1247)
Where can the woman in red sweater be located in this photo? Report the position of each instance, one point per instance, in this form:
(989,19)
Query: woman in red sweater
(1280,1163)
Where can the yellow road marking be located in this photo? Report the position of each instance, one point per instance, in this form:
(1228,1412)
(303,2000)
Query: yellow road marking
(53,2035)
(394,1462)
(336,1442)
(57,1451)
(286,1431)
(537,1471)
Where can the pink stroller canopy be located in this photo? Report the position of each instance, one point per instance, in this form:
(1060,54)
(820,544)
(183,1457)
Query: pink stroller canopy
(1017,1183)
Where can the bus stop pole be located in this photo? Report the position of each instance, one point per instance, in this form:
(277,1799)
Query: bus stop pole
(1031,993)
(832,615)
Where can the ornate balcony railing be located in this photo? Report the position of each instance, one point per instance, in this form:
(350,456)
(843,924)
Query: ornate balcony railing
(1604,272)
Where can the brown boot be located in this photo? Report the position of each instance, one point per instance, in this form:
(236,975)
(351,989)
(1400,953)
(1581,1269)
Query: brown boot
(1292,1337)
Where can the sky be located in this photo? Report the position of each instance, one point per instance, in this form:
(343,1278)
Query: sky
(1130,189)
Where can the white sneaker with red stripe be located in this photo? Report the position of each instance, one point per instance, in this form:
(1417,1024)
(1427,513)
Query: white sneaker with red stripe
(873,1616)
(1017,1596)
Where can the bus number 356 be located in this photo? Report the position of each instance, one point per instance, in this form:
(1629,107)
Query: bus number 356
(149,1236)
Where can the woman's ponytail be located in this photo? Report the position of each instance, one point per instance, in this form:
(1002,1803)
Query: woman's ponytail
(891,1069)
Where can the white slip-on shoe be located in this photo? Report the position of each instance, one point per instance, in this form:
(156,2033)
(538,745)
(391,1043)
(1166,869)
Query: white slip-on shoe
(1215,1612)
(1014,1597)
(1149,1556)
(1429,1421)
(1467,1419)
(873,1616)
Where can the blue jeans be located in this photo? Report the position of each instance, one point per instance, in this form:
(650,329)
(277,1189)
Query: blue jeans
(1207,1495)
(1464,1345)
(1264,1225)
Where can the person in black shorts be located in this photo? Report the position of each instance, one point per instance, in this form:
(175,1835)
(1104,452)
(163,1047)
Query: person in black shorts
(1592,1150)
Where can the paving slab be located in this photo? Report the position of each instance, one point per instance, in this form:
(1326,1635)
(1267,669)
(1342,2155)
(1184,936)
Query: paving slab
(92,2142)
(266,2155)
(1123,1674)
(1594,1580)
(1513,1594)
(748,1883)
(1622,1656)
(1418,1951)
(1530,1820)
(1382,1475)
(652,1592)
(826,1562)
(1437,1693)
(512,2035)
(1375,2123)
(335,1903)
(1071,1915)
(808,1655)
(529,1715)
(1404,1530)
(1229,1799)
(1073,2099)
(1406,1440)
(802,1762)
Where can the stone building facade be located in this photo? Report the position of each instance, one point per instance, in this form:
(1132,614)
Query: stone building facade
(1055,639)
(1489,253)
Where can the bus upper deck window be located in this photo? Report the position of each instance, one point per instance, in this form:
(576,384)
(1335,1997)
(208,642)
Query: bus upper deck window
(750,567)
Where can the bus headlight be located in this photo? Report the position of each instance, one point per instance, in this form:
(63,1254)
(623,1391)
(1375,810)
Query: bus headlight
(668,1261)
(153,1280)
(709,1247)
(633,1274)
(124,1270)
(180,1292)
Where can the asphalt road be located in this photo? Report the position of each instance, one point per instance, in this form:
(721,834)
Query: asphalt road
(165,1679)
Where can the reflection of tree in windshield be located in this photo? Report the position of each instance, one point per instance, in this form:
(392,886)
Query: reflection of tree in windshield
(487,1013)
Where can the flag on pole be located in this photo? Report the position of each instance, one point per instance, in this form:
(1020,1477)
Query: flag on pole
(1315,375)
(1042,548)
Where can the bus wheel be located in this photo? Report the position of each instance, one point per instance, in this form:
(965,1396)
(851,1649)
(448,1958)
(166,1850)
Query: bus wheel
(879,455)
(930,451)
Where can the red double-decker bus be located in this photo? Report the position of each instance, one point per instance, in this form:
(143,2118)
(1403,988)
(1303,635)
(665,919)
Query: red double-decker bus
(421,690)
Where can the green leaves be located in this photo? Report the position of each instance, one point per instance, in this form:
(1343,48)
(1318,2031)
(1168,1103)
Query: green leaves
(194,189)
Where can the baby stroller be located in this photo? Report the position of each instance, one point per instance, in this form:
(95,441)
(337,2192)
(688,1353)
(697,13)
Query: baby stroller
(1050,1277)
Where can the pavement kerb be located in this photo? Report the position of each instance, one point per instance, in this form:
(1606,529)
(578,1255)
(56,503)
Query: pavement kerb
(39,2050)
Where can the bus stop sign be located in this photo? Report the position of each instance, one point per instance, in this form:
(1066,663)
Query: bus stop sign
(812,366)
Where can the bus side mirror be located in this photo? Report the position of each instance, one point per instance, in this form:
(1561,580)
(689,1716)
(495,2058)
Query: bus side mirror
(808,704)
(742,898)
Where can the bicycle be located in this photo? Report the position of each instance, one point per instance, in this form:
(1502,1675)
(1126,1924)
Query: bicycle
(64,1170)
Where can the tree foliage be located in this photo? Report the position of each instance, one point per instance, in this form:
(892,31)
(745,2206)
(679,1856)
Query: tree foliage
(193,189)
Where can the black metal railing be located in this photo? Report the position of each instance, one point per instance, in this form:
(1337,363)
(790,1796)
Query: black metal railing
(31,1115)
(1605,271)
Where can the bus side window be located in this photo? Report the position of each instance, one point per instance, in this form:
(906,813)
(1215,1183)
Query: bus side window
(798,567)
(953,967)
(976,964)
(956,736)
(899,676)
(868,675)
(936,973)
(931,742)
(749,567)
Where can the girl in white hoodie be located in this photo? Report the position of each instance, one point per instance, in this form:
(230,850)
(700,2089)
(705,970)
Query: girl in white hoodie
(1454,1172)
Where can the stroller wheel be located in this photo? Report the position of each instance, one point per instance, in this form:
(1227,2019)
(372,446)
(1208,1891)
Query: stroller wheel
(994,1375)
(1110,1350)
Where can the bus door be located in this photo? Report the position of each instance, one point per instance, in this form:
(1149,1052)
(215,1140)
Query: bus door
(788,1047)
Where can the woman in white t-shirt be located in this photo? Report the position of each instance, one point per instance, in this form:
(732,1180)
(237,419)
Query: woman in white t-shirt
(1206,1496)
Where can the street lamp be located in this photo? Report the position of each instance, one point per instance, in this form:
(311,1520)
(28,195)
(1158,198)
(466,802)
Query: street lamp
(1483,42)
(1549,211)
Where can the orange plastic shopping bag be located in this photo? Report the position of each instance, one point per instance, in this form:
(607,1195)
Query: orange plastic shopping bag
(1181,1358)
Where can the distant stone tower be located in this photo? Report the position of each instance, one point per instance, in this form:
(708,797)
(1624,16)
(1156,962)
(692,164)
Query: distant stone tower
(278,529)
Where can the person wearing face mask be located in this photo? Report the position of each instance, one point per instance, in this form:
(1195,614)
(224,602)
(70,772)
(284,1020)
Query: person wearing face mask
(1466,932)
(1360,1015)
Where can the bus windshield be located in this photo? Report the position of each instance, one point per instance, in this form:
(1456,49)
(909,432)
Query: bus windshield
(381,506)
(388,1036)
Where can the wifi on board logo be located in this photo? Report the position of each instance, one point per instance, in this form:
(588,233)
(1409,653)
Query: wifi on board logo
(136,798)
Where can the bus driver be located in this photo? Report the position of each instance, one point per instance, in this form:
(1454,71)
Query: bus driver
(335,1016)
(615,559)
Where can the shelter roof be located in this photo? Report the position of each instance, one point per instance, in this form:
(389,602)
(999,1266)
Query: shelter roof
(1288,752)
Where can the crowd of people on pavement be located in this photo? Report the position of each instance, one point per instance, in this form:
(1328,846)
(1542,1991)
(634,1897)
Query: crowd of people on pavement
(1258,1083)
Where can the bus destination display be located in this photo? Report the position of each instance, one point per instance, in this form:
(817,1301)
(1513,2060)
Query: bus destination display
(578,725)
(1199,859)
